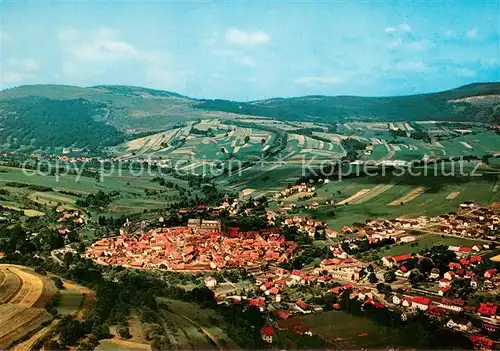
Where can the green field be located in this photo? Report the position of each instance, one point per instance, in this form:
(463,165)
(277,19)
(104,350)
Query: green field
(71,301)
(338,324)
(132,189)
(425,242)
(432,202)
(190,325)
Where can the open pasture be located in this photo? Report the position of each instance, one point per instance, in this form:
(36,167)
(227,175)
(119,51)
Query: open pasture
(411,195)
(431,202)
(344,330)
(423,242)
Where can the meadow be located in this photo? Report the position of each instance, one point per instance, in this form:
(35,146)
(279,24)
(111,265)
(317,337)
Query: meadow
(423,242)
(434,200)
(348,331)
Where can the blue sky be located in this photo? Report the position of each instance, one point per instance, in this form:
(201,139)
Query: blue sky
(253,50)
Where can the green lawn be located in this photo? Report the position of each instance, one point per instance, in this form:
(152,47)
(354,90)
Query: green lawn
(432,202)
(346,328)
(71,300)
(424,242)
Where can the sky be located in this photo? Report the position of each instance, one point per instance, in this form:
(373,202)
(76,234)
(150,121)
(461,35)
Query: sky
(249,50)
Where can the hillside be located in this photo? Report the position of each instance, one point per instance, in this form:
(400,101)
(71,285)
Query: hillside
(50,117)
(447,105)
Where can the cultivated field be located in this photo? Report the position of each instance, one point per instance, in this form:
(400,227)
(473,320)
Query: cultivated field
(424,242)
(23,294)
(119,345)
(433,201)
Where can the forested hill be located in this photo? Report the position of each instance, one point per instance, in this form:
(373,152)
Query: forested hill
(40,116)
(475,102)
(41,123)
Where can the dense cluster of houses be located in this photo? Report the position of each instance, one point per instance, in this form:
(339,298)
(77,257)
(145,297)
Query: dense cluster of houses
(301,188)
(69,219)
(308,225)
(476,223)
(180,248)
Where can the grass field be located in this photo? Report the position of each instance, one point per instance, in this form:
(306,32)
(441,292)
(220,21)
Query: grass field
(344,329)
(131,187)
(433,201)
(424,242)
(198,328)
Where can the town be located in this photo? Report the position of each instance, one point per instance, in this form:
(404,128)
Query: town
(455,284)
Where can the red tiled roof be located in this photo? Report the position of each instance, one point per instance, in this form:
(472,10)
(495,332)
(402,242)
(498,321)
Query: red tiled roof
(282,314)
(453,302)
(435,310)
(269,331)
(402,258)
(258,302)
(302,304)
(487,309)
(481,340)
(421,300)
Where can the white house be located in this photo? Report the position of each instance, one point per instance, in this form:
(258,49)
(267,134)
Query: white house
(406,302)
(422,303)
(452,304)
(434,274)
(444,283)
(449,275)
(460,325)
(408,239)
(210,282)
(388,261)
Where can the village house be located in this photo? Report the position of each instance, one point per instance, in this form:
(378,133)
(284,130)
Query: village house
(487,309)
(302,307)
(422,303)
(454,305)
(266,334)
(210,282)
(460,324)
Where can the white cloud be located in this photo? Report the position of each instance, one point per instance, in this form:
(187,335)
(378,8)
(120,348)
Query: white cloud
(29,64)
(472,33)
(318,80)
(247,61)
(4,36)
(218,76)
(22,65)
(163,78)
(420,45)
(237,36)
(12,78)
(101,44)
(410,66)
(449,33)
(401,28)
(404,27)
(466,72)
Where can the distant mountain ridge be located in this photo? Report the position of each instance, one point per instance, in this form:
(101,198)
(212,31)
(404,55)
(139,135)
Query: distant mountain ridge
(102,115)
(430,106)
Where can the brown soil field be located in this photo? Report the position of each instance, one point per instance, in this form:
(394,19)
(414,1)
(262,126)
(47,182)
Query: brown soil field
(411,195)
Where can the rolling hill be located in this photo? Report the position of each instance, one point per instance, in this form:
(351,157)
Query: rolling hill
(448,105)
(51,116)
